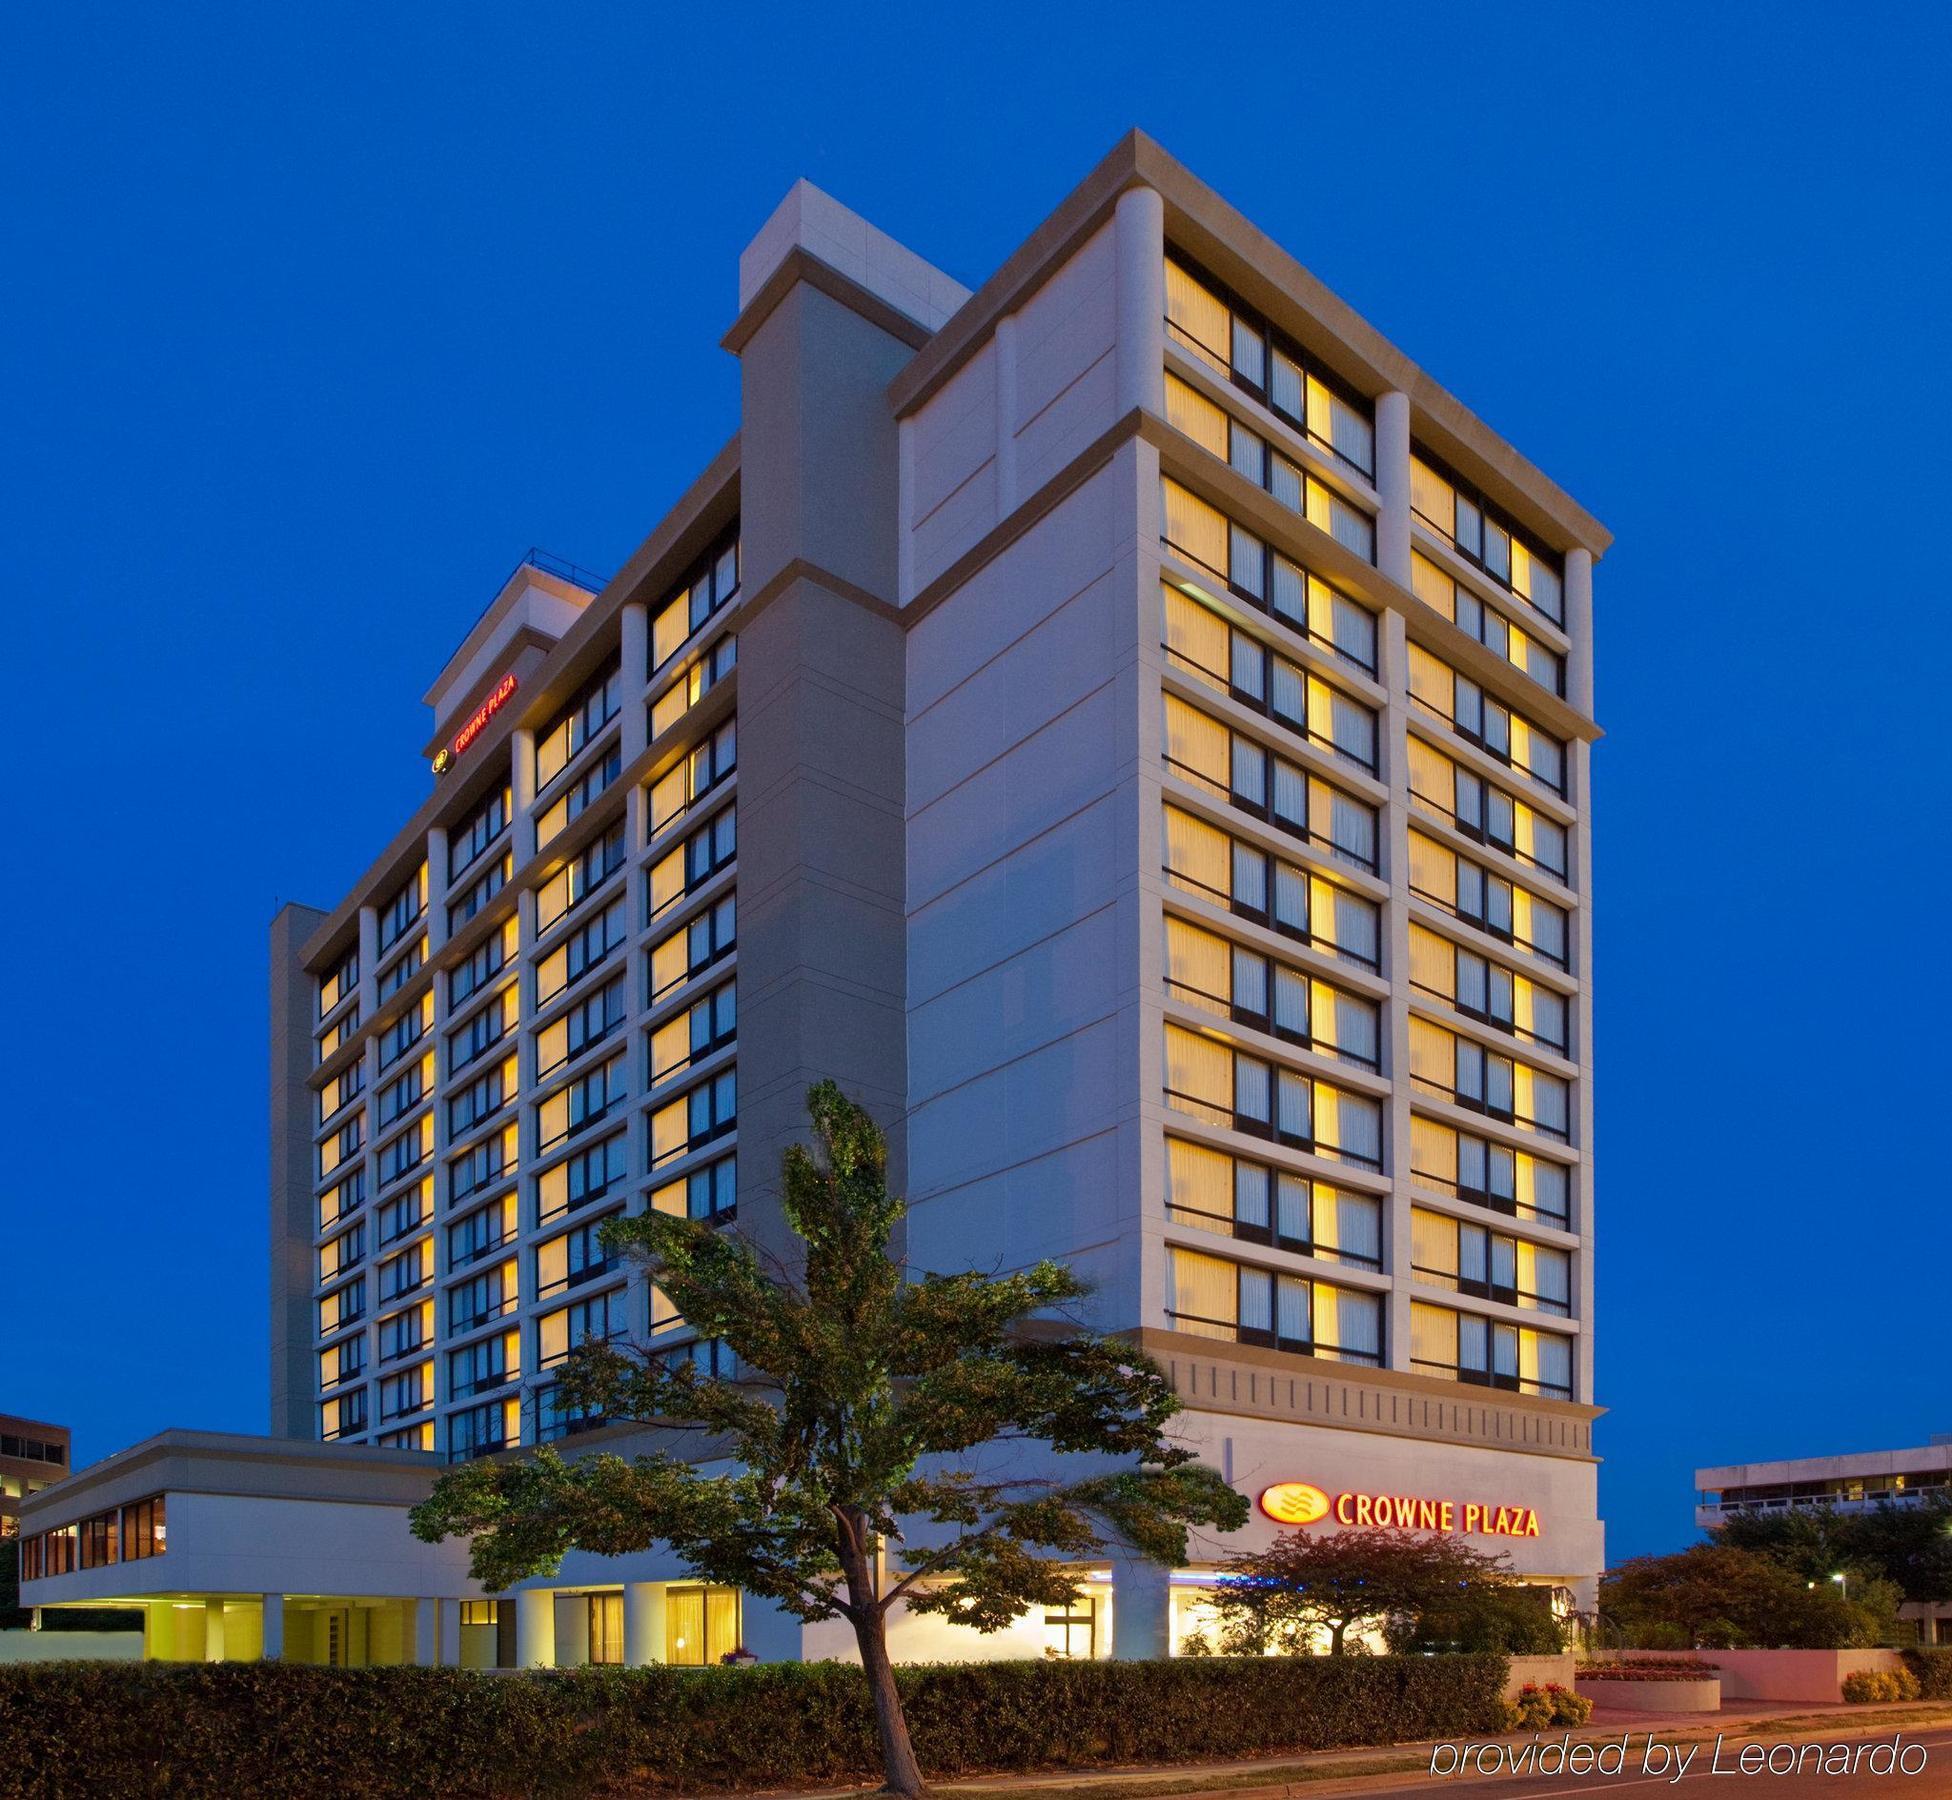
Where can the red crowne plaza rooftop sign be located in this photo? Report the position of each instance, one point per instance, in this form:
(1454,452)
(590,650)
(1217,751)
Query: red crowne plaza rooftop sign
(476,725)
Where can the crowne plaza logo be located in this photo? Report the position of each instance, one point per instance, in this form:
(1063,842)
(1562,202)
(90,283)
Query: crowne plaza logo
(1302,1503)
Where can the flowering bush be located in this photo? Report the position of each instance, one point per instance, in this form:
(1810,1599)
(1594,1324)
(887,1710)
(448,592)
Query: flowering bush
(1868,1685)
(1537,1707)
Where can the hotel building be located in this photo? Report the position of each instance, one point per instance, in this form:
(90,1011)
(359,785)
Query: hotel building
(1131,727)
(33,1454)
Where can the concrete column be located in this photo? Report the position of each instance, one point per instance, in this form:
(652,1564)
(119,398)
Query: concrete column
(1394,671)
(634,656)
(643,1623)
(213,1630)
(905,510)
(1393,486)
(572,1630)
(426,1632)
(436,889)
(535,1629)
(1006,415)
(1142,1609)
(274,1627)
(1140,247)
(1579,627)
(450,1633)
(522,788)
(369,956)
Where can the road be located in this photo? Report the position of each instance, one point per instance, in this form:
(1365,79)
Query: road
(1708,1769)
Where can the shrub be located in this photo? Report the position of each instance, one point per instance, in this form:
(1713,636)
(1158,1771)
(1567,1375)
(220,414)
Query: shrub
(277,1731)
(1868,1685)
(1932,1669)
(1537,1708)
(1649,1668)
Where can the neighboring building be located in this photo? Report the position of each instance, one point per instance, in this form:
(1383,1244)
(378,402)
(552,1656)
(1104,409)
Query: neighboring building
(1131,727)
(1851,1483)
(33,1453)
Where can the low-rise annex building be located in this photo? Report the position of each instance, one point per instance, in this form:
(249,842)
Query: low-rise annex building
(1131,727)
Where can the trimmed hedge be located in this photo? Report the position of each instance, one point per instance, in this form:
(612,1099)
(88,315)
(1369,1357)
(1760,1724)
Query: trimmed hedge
(1933,1669)
(134,1731)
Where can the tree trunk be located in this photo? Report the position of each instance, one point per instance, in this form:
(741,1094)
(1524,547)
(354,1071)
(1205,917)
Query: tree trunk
(1336,1632)
(904,1774)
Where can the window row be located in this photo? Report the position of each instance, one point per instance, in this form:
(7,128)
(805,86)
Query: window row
(1247,988)
(1240,346)
(579,796)
(1485,623)
(1461,516)
(712,588)
(1461,1346)
(1488,1265)
(1484,812)
(1246,774)
(707,764)
(579,723)
(1207,1078)
(1490,1175)
(339,983)
(1257,1204)
(1260,575)
(1482,989)
(1480,719)
(1237,664)
(693,947)
(404,910)
(129,1533)
(577,879)
(584,949)
(1219,433)
(1465,1073)
(692,683)
(480,830)
(1202,860)
(1495,905)
(703,1029)
(1211,1297)
(479,892)
(687,867)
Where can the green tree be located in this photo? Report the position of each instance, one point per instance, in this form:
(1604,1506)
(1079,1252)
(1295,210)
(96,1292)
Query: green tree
(1716,1596)
(1906,1543)
(1307,1583)
(858,1391)
(1490,1615)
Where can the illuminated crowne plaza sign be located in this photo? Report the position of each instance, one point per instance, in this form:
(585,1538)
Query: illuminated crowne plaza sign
(476,725)
(1301,1503)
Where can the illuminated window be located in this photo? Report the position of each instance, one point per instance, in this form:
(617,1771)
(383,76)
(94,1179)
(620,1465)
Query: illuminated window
(580,952)
(1204,861)
(704,1114)
(586,1024)
(480,891)
(339,1254)
(1208,1079)
(1492,1175)
(692,948)
(1488,1265)
(481,1430)
(579,796)
(482,1297)
(692,683)
(338,986)
(493,954)
(482,828)
(1487,900)
(493,1362)
(1243,986)
(1245,773)
(595,1320)
(1208,1296)
(1485,623)
(688,781)
(406,1031)
(1478,809)
(342,1089)
(580,1179)
(560,741)
(1261,576)
(404,910)
(1234,663)
(1480,988)
(406,1332)
(344,1306)
(685,869)
(1461,516)
(1467,1074)
(482,1098)
(701,1030)
(1259,1204)
(572,884)
(482,1030)
(341,1362)
(1461,1346)
(482,1164)
(400,1156)
(407,1392)
(701,1625)
(1485,721)
(713,587)
(405,1273)
(406,1091)
(407,1211)
(343,1416)
(711,1192)
(1239,346)
(575,1257)
(583,1103)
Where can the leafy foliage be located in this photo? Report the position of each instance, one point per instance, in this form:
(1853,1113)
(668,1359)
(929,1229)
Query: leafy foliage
(1715,1596)
(1908,1544)
(859,1389)
(1933,1670)
(1307,1585)
(279,1731)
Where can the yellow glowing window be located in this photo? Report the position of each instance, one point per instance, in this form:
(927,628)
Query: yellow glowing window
(700,1625)
(1190,411)
(667,880)
(1198,746)
(1433,1335)
(1199,319)
(1199,964)
(1197,854)
(670,629)
(1196,529)
(1200,1071)
(1202,1293)
(1198,636)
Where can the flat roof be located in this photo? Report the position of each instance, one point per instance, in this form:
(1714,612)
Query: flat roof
(1916,1459)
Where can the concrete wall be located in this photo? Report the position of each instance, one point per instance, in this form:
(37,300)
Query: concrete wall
(1815,1675)
(54,1645)
(293,1214)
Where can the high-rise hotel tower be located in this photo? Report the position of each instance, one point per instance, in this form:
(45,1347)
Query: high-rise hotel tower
(1130,726)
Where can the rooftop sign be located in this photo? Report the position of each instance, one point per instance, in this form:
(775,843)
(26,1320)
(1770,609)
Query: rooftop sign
(476,725)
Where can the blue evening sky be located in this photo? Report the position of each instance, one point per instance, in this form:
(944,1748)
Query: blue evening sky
(311,319)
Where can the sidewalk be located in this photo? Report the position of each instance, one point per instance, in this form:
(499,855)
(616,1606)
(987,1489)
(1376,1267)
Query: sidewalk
(1275,1775)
